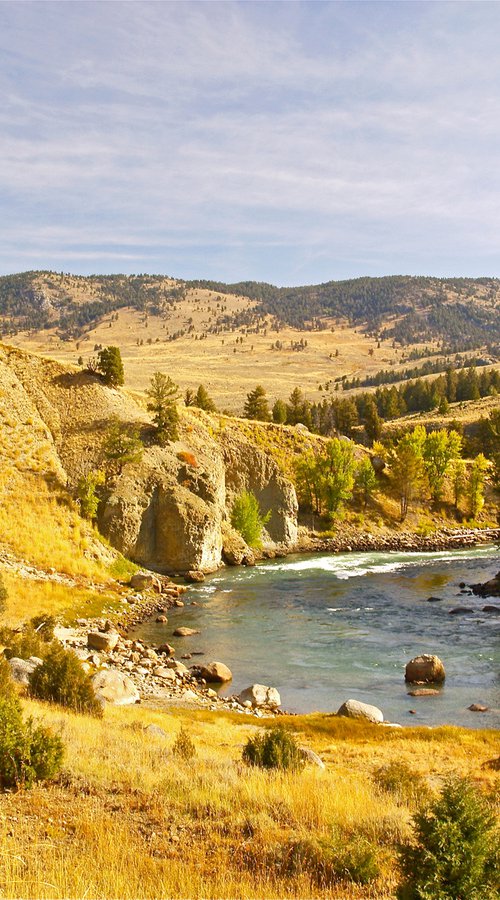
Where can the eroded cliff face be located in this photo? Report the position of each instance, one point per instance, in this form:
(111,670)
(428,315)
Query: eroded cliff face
(170,512)
(173,515)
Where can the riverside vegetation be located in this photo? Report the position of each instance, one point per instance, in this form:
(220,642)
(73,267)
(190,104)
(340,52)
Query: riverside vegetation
(138,802)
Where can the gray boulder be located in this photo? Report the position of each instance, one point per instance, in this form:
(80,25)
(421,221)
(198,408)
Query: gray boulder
(115,687)
(355,709)
(21,669)
(144,581)
(260,695)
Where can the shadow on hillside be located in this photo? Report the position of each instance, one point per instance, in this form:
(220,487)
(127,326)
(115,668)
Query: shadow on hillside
(77,379)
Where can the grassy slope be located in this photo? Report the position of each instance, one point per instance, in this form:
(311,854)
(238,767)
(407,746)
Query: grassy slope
(132,820)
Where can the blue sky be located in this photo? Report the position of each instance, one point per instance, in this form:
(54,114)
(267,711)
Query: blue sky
(275,141)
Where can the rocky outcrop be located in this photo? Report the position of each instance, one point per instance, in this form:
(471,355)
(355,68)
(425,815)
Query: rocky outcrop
(425,669)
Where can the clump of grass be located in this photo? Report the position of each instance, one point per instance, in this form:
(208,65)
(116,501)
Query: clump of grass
(274,749)
(399,779)
(184,747)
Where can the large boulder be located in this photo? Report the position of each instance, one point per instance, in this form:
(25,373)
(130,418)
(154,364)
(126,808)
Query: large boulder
(103,641)
(115,687)
(216,672)
(21,669)
(260,695)
(184,631)
(355,709)
(425,669)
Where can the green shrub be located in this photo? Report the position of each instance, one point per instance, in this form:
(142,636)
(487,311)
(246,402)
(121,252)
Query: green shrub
(23,644)
(28,753)
(247,519)
(63,680)
(44,625)
(456,854)
(184,746)
(273,749)
(399,779)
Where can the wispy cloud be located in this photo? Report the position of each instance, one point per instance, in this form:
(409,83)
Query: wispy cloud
(261,140)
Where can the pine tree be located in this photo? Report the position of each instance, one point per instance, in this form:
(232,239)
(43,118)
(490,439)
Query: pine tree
(279,412)
(203,400)
(162,394)
(256,405)
(123,445)
(110,366)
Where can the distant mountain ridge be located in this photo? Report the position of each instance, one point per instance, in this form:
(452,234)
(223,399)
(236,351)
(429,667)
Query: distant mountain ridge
(464,313)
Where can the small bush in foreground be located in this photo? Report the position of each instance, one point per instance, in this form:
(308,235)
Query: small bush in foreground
(456,855)
(184,746)
(28,753)
(63,680)
(274,749)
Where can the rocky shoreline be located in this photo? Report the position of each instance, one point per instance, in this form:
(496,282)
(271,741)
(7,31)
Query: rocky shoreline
(351,540)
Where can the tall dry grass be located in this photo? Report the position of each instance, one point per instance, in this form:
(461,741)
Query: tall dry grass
(128,818)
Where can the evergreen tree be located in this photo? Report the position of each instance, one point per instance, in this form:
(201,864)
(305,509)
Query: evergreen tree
(373,424)
(256,405)
(203,400)
(110,366)
(162,394)
(123,445)
(279,412)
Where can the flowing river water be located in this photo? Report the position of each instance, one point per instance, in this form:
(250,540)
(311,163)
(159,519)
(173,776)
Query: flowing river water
(324,628)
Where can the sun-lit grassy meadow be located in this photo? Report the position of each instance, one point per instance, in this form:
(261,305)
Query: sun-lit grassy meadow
(128,818)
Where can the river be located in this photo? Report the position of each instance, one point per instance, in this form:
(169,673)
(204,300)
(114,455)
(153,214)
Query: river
(324,628)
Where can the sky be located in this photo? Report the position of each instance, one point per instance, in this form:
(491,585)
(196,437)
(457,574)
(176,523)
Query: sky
(293,143)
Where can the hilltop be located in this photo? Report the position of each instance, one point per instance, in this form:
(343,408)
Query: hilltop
(231,337)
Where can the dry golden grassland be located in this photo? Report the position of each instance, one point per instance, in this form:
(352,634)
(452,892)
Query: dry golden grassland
(228,368)
(128,818)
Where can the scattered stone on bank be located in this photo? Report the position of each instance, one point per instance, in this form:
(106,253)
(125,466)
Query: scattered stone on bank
(100,640)
(162,620)
(194,576)
(115,687)
(167,649)
(164,672)
(183,631)
(478,707)
(260,695)
(425,669)
(216,672)
(355,709)
(21,669)
(424,692)
(178,602)
(144,581)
